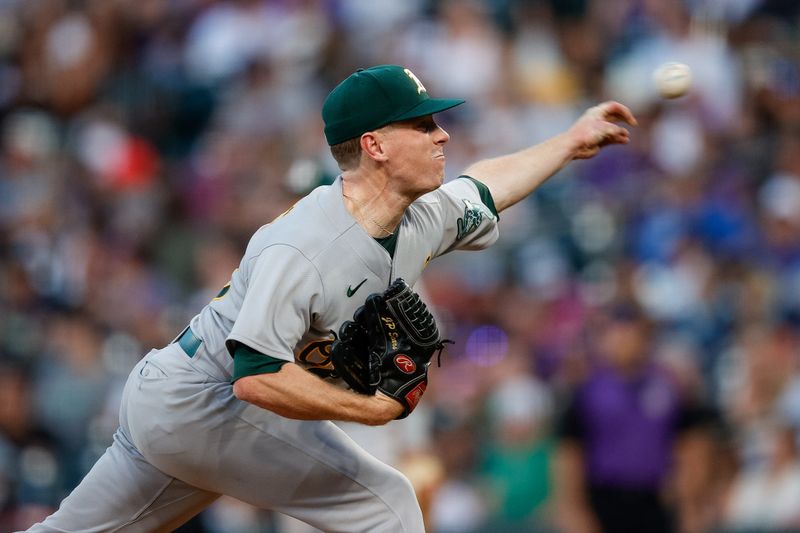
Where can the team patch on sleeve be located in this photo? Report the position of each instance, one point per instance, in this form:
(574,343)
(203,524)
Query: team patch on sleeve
(474,215)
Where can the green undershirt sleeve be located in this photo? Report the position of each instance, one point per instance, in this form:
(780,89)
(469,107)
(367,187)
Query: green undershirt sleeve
(249,362)
(485,194)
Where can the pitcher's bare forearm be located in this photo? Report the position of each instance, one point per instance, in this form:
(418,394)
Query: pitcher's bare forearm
(295,393)
(512,177)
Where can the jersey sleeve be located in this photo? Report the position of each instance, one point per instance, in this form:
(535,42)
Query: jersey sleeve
(469,215)
(283,289)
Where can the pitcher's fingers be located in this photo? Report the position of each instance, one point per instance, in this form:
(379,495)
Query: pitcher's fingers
(621,135)
(612,134)
(614,111)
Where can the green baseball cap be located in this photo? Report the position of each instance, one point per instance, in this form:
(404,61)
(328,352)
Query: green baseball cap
(374,97)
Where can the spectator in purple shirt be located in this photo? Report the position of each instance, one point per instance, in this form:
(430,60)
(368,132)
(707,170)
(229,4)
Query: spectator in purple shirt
(618,436)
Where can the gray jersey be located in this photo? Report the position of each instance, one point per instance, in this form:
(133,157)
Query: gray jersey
(184,437)
(309,270)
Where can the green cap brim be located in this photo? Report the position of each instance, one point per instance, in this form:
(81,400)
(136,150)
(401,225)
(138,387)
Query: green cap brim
(428,107)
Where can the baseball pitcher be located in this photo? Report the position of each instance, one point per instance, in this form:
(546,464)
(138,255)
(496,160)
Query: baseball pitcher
(319,322)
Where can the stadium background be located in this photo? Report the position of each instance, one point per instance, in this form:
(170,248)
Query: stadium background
(143,141)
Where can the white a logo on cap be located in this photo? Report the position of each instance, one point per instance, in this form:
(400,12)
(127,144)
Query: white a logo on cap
(420,87)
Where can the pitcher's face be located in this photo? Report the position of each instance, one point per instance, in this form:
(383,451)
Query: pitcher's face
(415,150)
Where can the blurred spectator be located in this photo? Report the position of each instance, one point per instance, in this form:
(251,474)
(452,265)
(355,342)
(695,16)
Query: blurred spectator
(517,456)
(766,496)
(31,483)
(70,391)
(458,505)
(618,437)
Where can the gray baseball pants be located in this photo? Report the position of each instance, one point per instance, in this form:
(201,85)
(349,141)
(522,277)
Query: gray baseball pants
(184,439)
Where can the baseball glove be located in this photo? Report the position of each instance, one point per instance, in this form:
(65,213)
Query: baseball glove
(388,346)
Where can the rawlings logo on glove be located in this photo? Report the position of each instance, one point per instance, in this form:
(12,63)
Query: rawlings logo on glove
(405,363)
(388,346)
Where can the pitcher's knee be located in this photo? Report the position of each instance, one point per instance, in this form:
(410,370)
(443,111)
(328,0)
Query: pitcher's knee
(403,511)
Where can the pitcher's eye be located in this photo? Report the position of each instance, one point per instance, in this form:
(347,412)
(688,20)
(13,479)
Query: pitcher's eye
(426,125)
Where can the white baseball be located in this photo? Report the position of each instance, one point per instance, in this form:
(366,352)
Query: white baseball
(672,79)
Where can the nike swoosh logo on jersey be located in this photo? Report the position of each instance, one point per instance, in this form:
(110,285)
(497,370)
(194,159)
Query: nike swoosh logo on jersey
(351,291)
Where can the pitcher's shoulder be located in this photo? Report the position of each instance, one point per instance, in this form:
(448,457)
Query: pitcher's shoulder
(307,225)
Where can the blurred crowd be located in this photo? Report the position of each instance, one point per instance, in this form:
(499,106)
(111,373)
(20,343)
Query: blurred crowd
(631,342)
